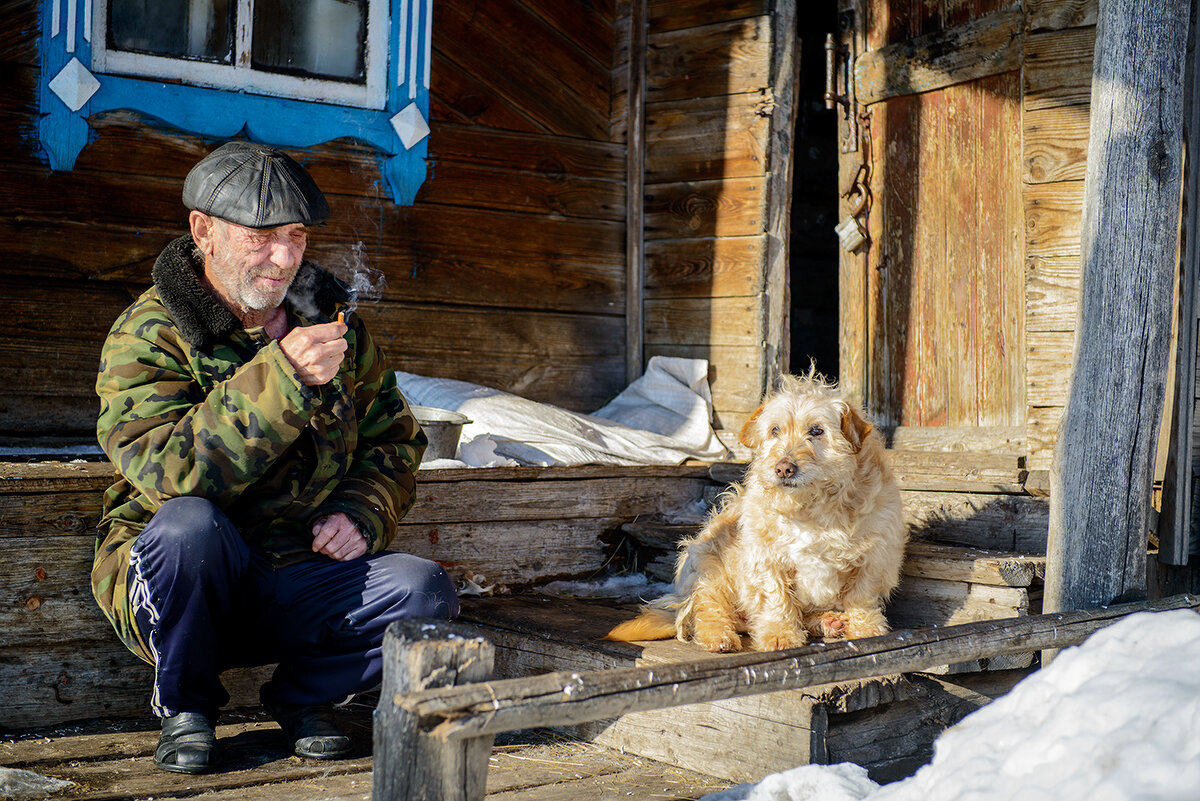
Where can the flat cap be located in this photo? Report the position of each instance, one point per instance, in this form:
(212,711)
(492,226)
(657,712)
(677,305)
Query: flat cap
(254,185)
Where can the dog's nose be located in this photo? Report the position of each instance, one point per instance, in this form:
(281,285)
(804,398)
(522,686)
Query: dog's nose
(785,469)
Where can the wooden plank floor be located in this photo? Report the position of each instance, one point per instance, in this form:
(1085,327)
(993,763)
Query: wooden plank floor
(107,761)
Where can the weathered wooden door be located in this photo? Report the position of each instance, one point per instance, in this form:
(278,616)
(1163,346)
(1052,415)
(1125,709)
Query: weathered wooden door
(933,307)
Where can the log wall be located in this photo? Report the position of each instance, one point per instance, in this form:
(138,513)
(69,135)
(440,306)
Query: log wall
(508,270)
(708,121)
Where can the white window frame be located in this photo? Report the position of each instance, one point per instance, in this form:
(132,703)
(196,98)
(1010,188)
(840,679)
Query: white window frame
(241,76)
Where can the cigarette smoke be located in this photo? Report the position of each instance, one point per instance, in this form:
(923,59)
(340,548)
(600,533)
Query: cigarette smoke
(365,283)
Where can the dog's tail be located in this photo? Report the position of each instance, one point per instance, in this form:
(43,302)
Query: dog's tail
(651,624)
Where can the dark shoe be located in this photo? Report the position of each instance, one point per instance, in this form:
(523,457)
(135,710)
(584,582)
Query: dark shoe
(310,729)
(188,743)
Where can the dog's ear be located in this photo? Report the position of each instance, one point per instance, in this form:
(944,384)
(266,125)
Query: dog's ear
(854,428)
(749,433)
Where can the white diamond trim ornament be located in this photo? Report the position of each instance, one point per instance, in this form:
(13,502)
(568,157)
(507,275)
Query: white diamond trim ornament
(74,85)
(410,125)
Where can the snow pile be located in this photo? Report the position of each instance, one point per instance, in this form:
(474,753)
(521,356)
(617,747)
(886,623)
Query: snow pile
(1114,719)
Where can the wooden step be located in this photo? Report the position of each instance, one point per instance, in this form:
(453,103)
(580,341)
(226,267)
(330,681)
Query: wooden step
(741,739)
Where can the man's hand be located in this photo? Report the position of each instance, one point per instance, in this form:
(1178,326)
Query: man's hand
(316,351)
(338,537)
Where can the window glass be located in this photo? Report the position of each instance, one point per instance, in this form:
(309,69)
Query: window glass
(199,29)
(321,38)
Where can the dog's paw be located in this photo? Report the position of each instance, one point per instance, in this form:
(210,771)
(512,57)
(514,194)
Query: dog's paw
(779,638)
(835,626)
(719,641)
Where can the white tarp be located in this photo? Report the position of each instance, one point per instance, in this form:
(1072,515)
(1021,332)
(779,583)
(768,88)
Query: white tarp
(664,417)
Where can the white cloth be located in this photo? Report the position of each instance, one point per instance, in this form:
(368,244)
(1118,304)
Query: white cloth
(664,417)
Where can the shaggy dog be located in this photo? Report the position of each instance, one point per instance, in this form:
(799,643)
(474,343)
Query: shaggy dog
(811,543)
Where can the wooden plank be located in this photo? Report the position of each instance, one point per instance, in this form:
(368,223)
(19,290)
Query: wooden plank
(1055,144)
(492,707)
(670,15)
(1049,359)
(1058,68)
(970,565)
(707,138)
(732,322)
(525,61)
(1058,14)
(635,188)
(490,500)
(897,739)
(1102,480)
(1053,213)
(999,366)
(461,95)
(777,200)
(718,59)
(709,267)
(542,154)
(692,209)
(1043,432)
(589,27)
(996,522)
(468,186)
(970,439)
(989,45)
(1052,293)
(532,639)
(511,553)
(957,472)
(1179,497)
(964,315)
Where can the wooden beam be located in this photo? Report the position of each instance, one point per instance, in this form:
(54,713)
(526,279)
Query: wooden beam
(419,655)
(1175,520)
(1101,483)
(635,205)
(777,215)
(986,46)
(555,699)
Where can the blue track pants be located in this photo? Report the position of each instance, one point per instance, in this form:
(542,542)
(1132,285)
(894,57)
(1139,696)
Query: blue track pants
(205,601)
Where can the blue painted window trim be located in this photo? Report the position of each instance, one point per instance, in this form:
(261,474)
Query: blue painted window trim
(223,114)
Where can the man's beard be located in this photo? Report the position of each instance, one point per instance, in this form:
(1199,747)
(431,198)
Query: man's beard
(261,298)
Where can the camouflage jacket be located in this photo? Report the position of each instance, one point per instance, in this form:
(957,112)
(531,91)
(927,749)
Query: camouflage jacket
(193,404)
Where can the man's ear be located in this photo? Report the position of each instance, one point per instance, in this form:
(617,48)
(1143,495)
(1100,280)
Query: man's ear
(749,434)
(854,428)
(203,228)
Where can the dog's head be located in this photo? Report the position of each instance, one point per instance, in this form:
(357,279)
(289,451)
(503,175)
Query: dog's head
(805,432)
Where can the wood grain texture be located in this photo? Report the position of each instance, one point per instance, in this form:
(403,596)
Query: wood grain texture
(1058,14)
(1055,144)
(1051,293)
(717,59)
(1102,481)
(708,137)
(987,45)
(1058,68)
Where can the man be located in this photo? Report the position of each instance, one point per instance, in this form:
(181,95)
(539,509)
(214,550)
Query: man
(264,456)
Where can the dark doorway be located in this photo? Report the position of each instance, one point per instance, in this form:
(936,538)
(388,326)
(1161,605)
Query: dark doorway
(813,272)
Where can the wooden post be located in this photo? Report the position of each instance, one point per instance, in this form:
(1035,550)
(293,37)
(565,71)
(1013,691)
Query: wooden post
(1101,480)
(1175,522)
(635,180)
(412,764)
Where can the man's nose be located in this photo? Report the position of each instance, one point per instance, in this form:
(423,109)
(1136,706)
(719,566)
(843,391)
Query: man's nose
(285,255)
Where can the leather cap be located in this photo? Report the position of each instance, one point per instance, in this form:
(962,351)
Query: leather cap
(256,186)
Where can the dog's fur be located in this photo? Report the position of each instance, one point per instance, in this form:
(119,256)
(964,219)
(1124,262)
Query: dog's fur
(811,543)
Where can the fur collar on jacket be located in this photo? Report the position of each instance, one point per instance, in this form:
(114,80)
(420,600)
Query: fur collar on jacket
(201,316)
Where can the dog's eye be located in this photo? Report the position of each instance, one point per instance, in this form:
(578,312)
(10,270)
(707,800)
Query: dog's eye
(816,431)
(774,431)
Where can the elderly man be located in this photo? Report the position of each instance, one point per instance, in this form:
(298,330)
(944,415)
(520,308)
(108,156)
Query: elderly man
(264,456)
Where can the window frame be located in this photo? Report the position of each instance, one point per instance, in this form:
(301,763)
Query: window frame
(241,74)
